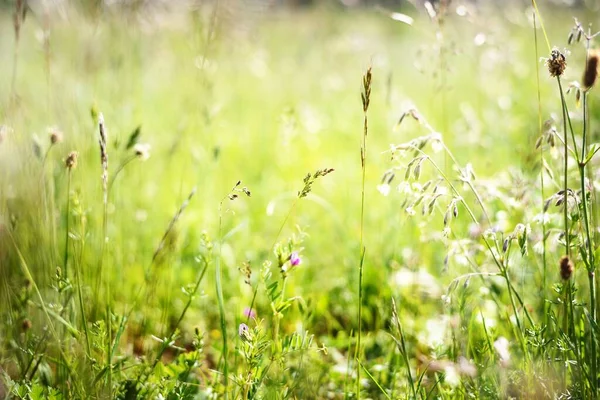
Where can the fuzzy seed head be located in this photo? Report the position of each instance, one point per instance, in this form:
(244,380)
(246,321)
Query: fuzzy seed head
(26,325)
(56,135)
(71,161)
(566,268)
(557,63)
(591,70)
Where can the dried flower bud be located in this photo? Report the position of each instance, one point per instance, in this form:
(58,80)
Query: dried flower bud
(26,325)
(71,161)
(591,70)
(56,135)
(566,268)
(557,63)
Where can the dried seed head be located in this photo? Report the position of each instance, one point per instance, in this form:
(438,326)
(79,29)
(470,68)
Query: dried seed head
(246,270)
(506,243)
(26,325)
(557,63)
(71,161)
(566,268)
(56,135)
(591,70)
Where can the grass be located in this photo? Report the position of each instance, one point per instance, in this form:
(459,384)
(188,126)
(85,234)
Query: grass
(119,283)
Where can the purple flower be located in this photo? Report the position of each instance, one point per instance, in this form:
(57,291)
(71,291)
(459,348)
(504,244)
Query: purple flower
(244,332)
(249,312)
(295,259)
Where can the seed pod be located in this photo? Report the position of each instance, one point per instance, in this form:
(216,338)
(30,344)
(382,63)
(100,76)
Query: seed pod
(566,268)
(538,142)
(417,171)
(591,70)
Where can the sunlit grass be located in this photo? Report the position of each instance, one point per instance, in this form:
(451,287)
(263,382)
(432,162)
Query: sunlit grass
(268,99)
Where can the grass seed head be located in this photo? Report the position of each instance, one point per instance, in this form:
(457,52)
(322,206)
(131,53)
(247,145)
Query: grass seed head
(71,160)
(557,63)
(566,268)
(591,70)
(55,134)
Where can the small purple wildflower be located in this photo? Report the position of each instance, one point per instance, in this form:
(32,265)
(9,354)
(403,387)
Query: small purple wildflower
(249,312)
(244,332)
(295,259)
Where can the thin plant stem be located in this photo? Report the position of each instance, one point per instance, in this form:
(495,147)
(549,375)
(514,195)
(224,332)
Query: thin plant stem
(366,94)
(402,347)
(82,310)
(565,176)
(119,169)
(174,329)
(66,254)
(219,287)
(539,101)
(103,249)
(590,254)
(537,11)
(18,21)
(510,287)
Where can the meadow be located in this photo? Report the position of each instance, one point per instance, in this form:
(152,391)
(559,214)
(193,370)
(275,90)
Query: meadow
(228,200)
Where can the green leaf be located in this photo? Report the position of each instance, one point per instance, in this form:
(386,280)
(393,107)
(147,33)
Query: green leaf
(67,325)
(591,153)
(37,392)
(133,138)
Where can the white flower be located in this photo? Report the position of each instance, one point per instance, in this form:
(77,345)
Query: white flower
(142,150)
(384,189)
(501,347)
(435,331)
(451,377)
